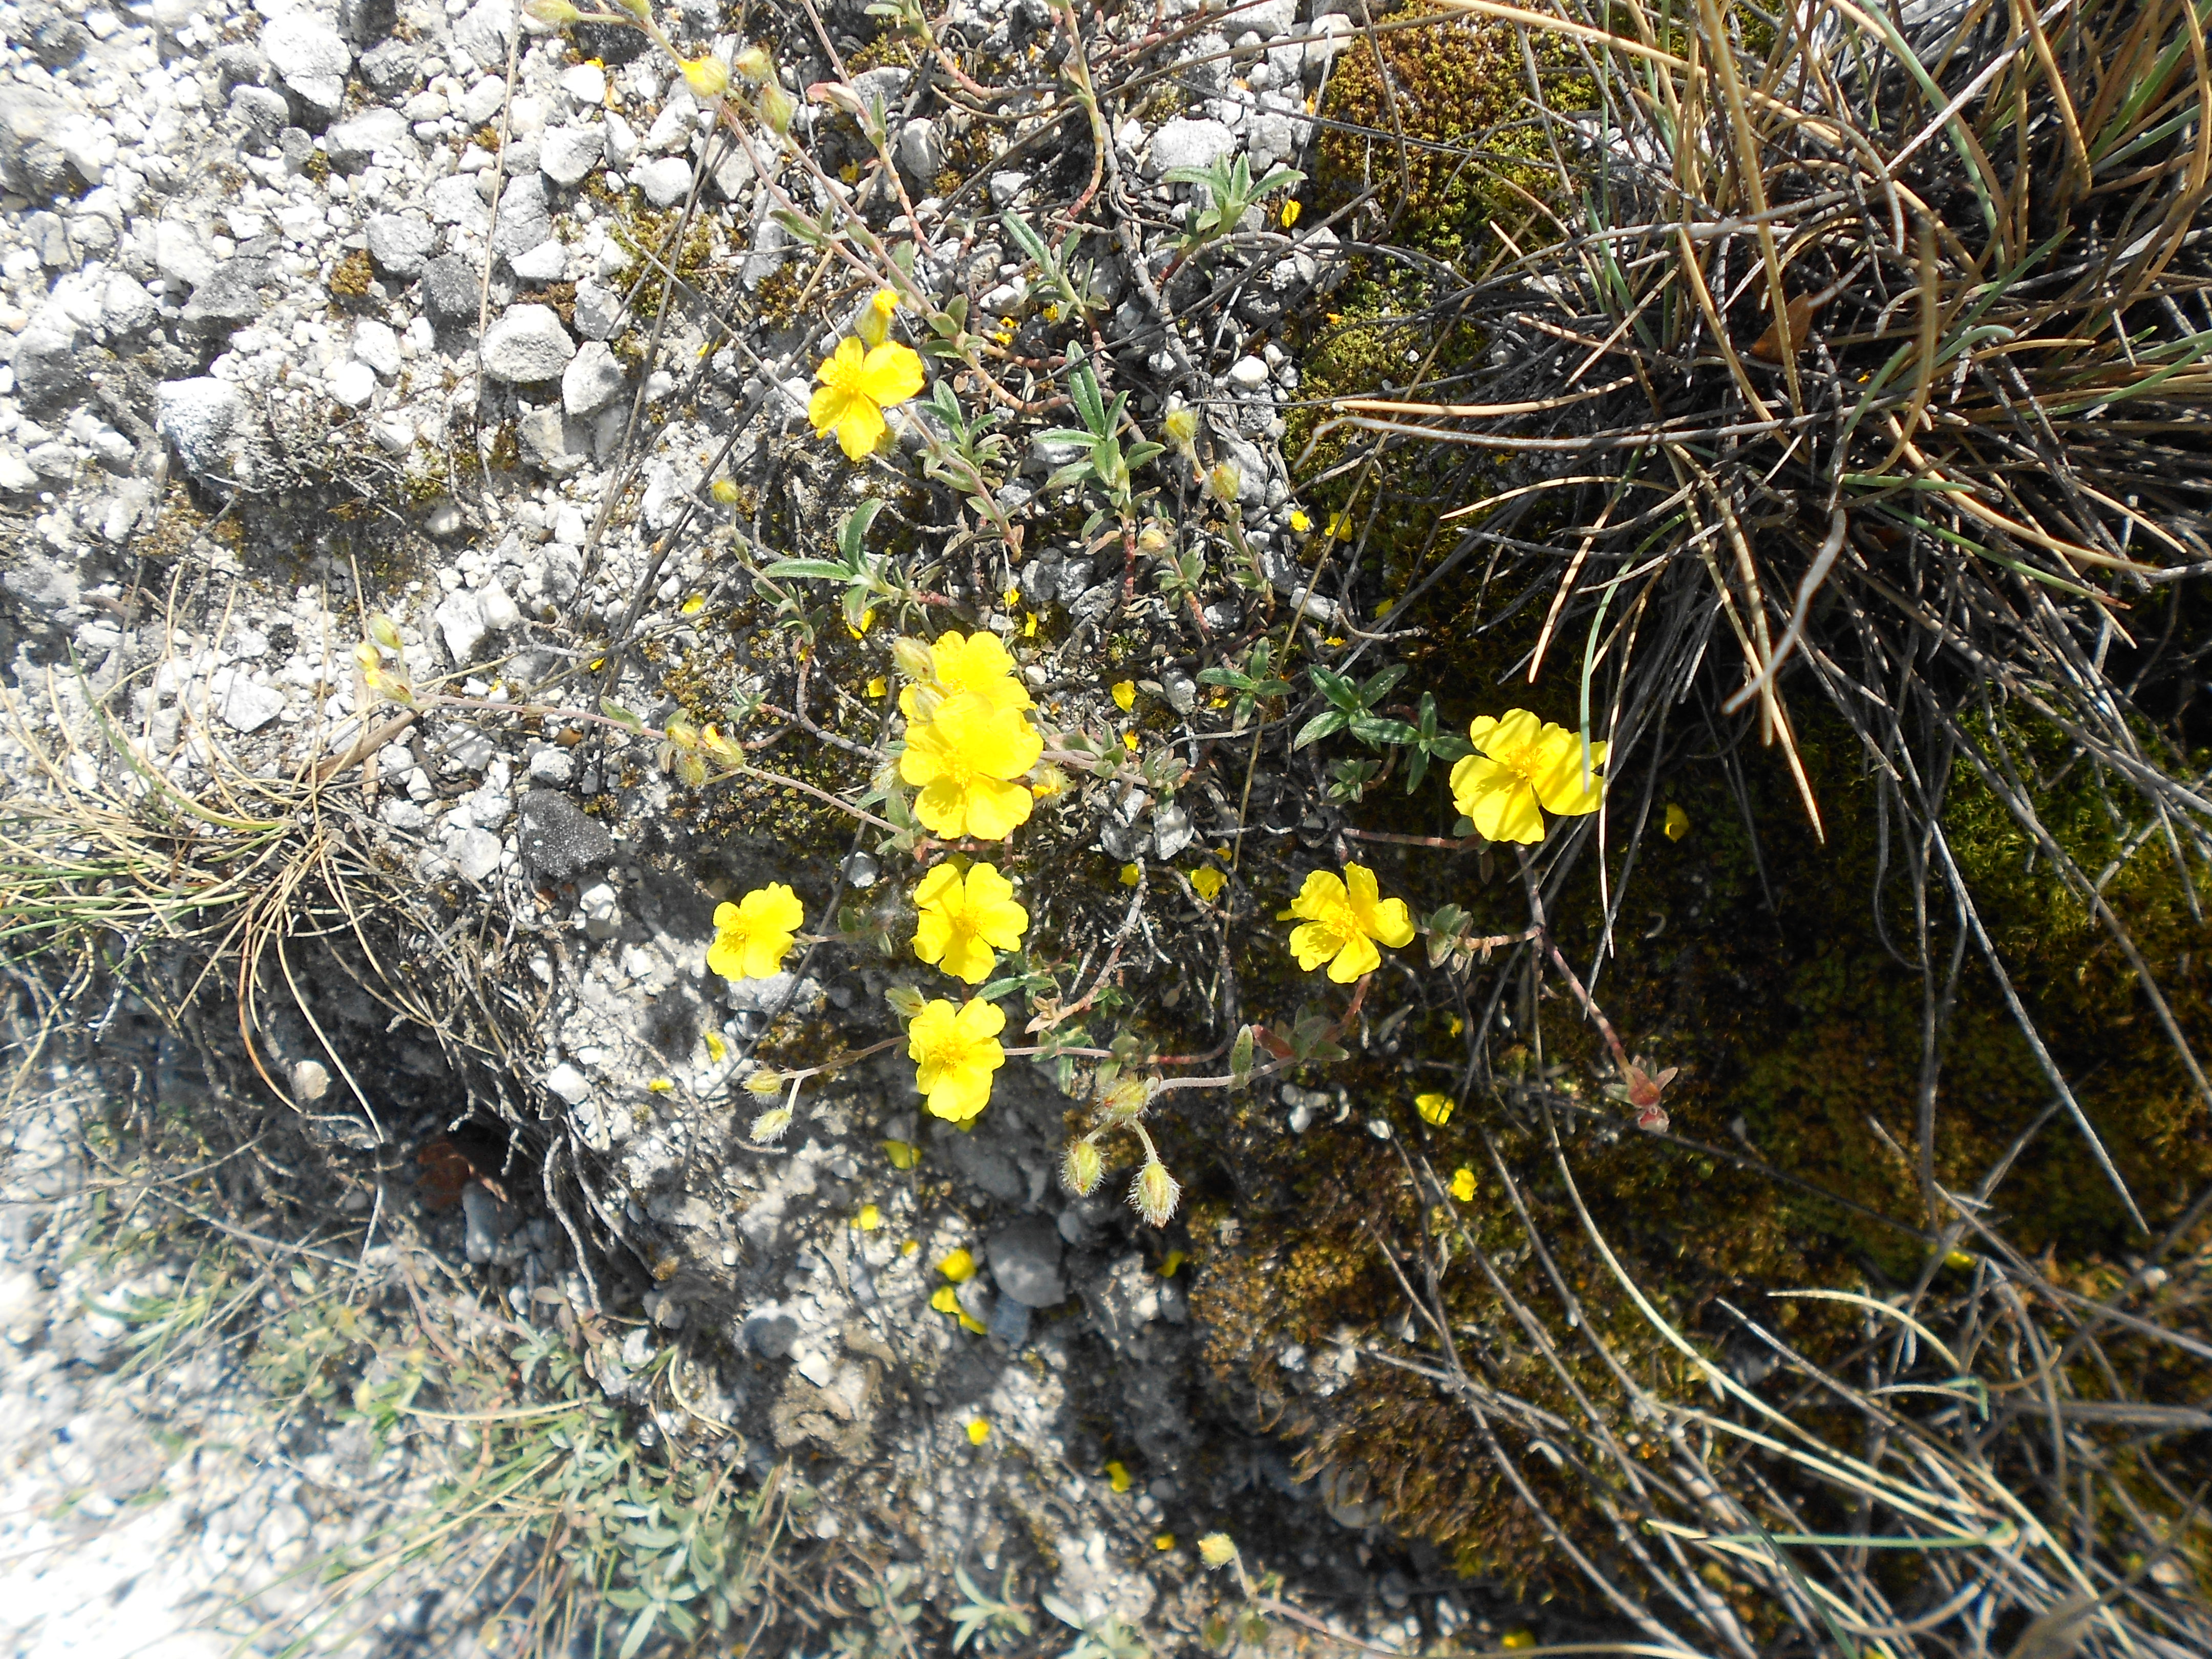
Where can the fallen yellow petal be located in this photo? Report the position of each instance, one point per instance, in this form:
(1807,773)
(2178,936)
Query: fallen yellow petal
(1125,695)
(959,1266)
(978,1430)
(869,1219)
(1117,1476)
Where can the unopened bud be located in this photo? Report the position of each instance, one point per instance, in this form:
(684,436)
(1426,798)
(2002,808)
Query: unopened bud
(691,769)
(1179,427)
(874,325)
(1081,1169)
(769,1125)
(681,733)
(725,750)
(1217,1550)
(905,1001)
(755,64)
(764,1083)
(640,9)
(724,491)
(913,660)
(558,13)
(1152,540)
(707,76)
(1224,483)
(919,703)
(367,657)
(1124,1102)
(384,631)
(777,108)
(1154,1192)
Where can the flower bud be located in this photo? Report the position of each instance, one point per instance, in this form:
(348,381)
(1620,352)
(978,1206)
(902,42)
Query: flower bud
(725,492)
(1179,427)
(707,76)
(765,1082)
(368,658)
(1217,1550)
(755,64)
(1152,540)
(1224,483)
(681,733)
(558,13)
(922,703)
(905,1001)
(1154,1191)
(725,751)
(386,633)
(769,1127)
(1081,1169)
(1124,1101)
(777,108)
(913,661)
(691,769)
(875,324)
(640,9)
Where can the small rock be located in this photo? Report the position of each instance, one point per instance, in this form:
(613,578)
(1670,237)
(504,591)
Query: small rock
(1171,830)
(592,379)
(400,243)
(351,384)
(499,610)
(1248,375)
(553,443)
(622,141)
(483,100)
(568,153)
(480,1223)
(461,623)
(1024,1258)
(546,262)
(247,708)
(310,1080)
(525,218)
(49,367)
(598,310)
(17,477)
(375,345)
(352,143)
(1183,142)
(559,841)
(229,298)
(200,419)
(553,766)
(126,305)
(1008,188)
(569,1083)
(180,255)
(526,345)
(475,854)
(665,181)
(311,57)
(771,1333)
(1268,18)
(31,160)
(922,151)
(451,290)
(587,83)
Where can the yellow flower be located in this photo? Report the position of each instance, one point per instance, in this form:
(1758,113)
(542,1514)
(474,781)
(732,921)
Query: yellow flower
(1129,741)
(1678,822)
(1340,527)
(1435,1108)
(857,385)
(1518,1640)
(1117,1476)
(965,761)
(1344,916)
(1519,762)
(978,1430)
(1125,695)
(1217,1549)
(1462,1183)
(1207,882)
(693,606)
(966,921)
(1131,875)
(869,1219)
(955,1051)
(752,937)
(946,1302)
(976,663)
(1299,521)
(1170,1263)
(959,1266)
(1290,214)
(1164,1542)
(874,325)
(717,1050)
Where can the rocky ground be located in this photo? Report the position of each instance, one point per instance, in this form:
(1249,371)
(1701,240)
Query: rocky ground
(309,314)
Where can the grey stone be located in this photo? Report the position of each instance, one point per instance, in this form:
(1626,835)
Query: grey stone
(461,624)
(524,220)
(230,296)
(262,111)
(400,243)
(351,383)
(391,67)
(592,379)
(546,262)
(1248,375)
(57,41)
(484,30)
(32,162)
(568,1083)
(247,706)
(17,476)
(480,1220)
(568,153)
(1268,18)
(475,854)
(1272,139)
(1024,1258)
(559,843)
(202,419)
(1183,142)
(375,345)
(352,143)
(771,1333)
(239,65)
(309,56)
(527,344)
(553,443)
(298,145)
(482,102)
(665,181)
(1010,1321)
(451,290)
(363,21)
(598,310)
(1171,830)
(180,255)
(50,368)
(922,150)
(457,200)
(976,1299)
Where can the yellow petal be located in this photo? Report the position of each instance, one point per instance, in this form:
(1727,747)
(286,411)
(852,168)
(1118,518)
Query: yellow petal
(1314,944)
(1125,695)
(1358,957)
(859,429)
(994,809)
(1394,924)
(891,373)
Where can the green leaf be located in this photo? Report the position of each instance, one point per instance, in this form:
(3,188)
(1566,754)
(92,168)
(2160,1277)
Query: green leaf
(1326,723)
(640,1628)
(620,715)
(817,569)
(1376,730)
(853,529)
(1337,689)
(1240,1057)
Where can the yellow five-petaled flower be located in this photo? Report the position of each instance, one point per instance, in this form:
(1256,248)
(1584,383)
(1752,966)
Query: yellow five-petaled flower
(752,937)
(1519,762)
(858,384)
(1343,919)
(966,919)
(977,663)
(955,1051)
(965,760)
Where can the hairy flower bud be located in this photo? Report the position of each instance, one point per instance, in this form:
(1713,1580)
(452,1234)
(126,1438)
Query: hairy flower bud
(386,633)
(874,325)
(1224,483)
(707,76)
(1081,1169)
(777,108)
(765,1084)
(1180,427)
(913,660)
(1124,1101)
(1152,539)
(1154,1191)
(558,13)
(725,750)
(1217,1550)
(755,64)
(367,658)
(769,1125)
